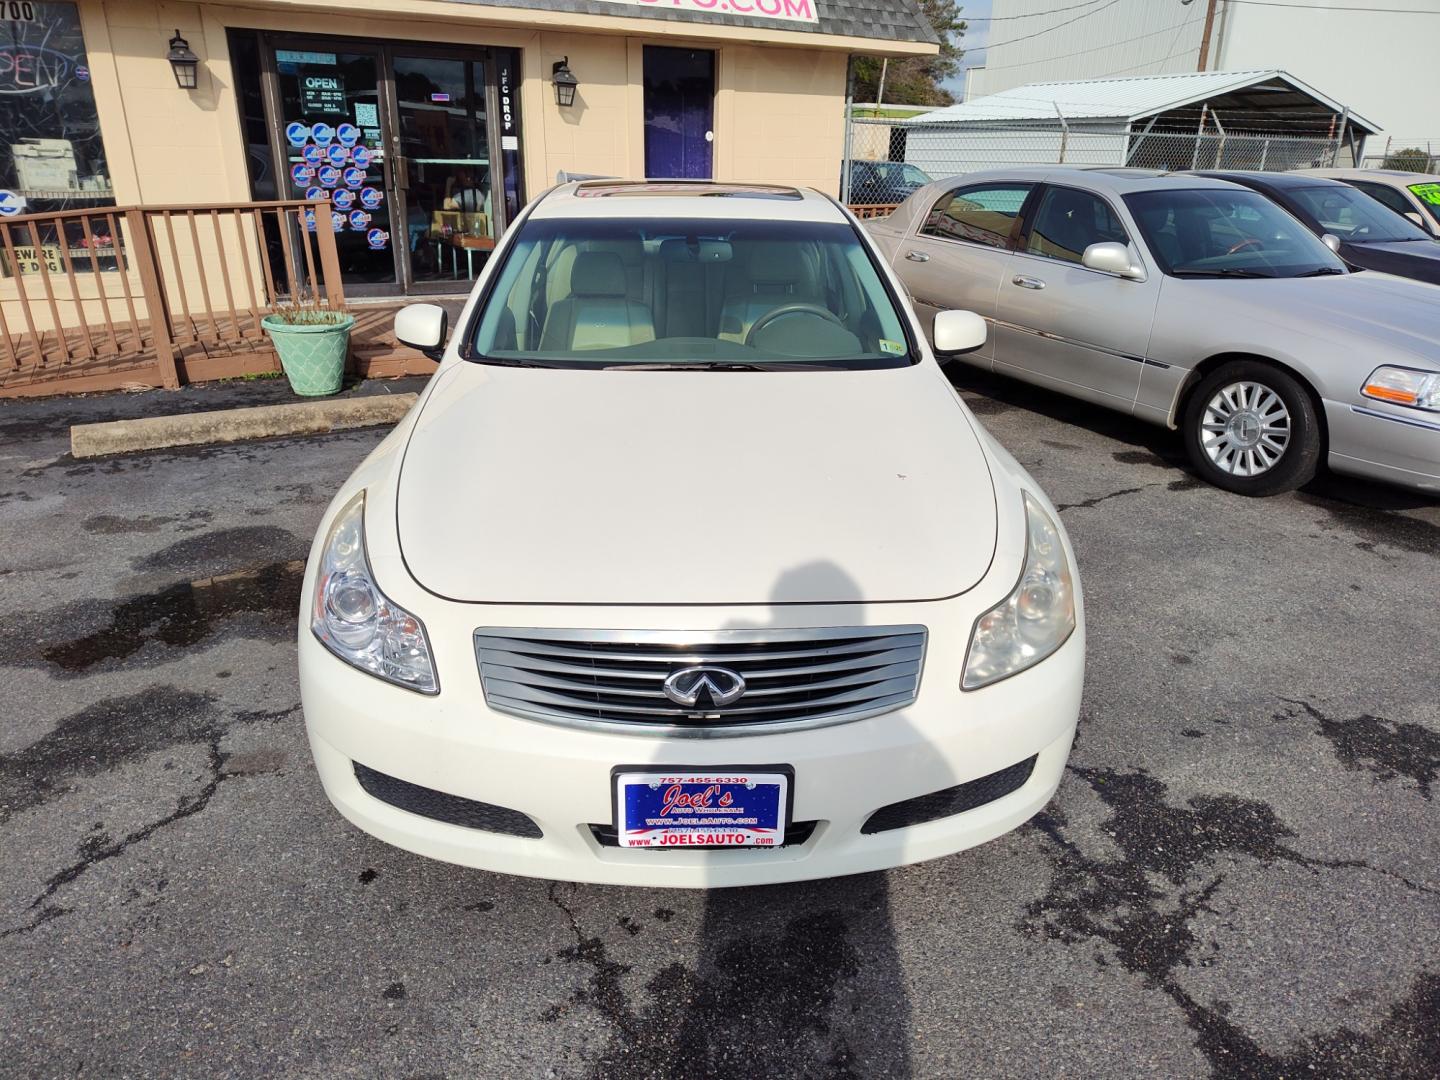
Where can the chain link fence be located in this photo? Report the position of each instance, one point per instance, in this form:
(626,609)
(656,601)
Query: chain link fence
(888,159)
(1407,155)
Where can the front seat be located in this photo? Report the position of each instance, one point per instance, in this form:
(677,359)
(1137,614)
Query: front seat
(775,275)
(597,314)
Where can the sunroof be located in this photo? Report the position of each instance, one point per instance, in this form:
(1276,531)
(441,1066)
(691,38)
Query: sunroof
(691,189)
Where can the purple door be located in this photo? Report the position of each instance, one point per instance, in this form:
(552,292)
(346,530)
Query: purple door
(679,111)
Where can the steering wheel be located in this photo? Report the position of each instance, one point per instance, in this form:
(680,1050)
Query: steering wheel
(791,309)
(1241,245)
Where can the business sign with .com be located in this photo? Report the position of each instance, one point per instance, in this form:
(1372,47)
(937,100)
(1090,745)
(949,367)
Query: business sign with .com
(788,10)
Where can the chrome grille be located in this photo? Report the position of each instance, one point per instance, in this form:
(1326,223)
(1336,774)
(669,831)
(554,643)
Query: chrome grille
(794,678)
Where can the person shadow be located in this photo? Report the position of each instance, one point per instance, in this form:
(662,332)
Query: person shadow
(798,980)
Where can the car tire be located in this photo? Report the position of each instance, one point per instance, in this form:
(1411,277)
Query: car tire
(1252,429)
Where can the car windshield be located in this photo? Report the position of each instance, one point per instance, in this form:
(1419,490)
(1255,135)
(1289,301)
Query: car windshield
(1354,216)
(1213,232)
(1429,196)
(628,292)
(912,174)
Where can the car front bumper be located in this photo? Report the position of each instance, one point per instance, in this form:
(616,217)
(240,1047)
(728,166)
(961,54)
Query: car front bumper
(560,777)
(1385,442)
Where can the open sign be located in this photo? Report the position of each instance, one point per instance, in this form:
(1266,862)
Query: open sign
(26,69)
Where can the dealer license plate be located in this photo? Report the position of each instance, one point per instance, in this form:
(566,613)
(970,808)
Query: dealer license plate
(694,809)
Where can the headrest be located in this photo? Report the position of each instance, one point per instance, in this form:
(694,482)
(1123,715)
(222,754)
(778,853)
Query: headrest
(598,273)
(777,264)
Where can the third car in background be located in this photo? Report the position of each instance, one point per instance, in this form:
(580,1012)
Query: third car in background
(1414,196)
(1367,235)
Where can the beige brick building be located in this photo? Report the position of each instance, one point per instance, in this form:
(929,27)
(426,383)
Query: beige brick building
(424,124)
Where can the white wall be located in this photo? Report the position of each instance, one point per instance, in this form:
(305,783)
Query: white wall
(1381,64)
(1134,37)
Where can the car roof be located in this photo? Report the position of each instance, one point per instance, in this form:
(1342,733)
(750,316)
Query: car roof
(1113,180)
(1398,177)
(1288,180)
(611,198)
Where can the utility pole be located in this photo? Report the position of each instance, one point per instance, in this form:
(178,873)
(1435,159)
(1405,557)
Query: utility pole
(1210,6)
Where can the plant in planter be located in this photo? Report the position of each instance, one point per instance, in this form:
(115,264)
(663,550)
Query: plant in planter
(312,339)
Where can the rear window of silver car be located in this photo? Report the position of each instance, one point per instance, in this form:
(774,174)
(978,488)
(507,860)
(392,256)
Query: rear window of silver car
(587,292)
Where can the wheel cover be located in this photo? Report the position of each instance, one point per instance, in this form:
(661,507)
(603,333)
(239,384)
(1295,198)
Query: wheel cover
(1245,429)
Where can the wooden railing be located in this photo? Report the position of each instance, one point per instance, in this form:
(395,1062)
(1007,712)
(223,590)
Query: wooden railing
(97,299)
(872,210)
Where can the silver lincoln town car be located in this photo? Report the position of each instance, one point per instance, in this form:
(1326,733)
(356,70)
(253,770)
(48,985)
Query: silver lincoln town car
(1189,302)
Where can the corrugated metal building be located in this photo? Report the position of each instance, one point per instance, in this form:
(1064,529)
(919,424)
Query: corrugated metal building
(1151,121)
(1379,62)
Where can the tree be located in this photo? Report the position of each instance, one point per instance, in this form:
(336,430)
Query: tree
(1411,159)
(917,80)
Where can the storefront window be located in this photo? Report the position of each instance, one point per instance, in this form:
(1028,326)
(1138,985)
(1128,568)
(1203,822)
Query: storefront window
(415,147)
(51,156)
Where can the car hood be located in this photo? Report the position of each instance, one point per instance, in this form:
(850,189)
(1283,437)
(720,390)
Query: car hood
(1419,259)
(528,485)
(1375,307)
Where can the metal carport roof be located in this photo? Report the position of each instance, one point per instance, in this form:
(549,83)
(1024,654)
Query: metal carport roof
(1125,100)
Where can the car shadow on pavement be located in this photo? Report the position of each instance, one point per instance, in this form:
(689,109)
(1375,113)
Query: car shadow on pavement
(791,980)
(1154,445)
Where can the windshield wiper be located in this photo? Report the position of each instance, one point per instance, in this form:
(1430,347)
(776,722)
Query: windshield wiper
(708,365)
(1227,271)
(509,361)
(1321,271)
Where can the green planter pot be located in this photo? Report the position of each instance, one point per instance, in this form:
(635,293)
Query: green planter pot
(313,355)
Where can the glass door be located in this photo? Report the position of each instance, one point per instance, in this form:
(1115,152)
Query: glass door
(328,109)
(443,168)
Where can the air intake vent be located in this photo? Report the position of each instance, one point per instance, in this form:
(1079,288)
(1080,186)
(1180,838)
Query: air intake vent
(791,678)
(439,806)
(951,801)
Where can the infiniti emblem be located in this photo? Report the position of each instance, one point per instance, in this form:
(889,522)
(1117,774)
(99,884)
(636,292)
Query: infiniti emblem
(686,686)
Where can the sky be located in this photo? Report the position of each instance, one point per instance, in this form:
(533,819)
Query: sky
(974,42)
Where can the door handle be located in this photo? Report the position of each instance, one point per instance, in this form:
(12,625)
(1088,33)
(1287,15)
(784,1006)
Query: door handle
(918,256)
(1028,282)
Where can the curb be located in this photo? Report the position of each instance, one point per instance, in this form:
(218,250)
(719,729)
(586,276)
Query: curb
(235,425)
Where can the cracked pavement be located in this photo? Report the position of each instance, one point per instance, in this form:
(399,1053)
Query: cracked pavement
(1239,877)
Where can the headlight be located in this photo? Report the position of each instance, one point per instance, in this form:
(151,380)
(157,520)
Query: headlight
(1035,619)
(356,621)
(1402,386)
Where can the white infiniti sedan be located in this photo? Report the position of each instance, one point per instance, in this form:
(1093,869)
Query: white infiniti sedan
(689,568)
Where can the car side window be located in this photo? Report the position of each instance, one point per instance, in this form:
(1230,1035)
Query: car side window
(984,214)
(1068,221)
(1386,196)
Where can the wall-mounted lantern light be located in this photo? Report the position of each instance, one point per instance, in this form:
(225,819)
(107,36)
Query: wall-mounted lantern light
(183,62)
(565,83)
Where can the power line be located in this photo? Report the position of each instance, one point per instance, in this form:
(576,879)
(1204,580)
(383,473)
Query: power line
(1094,11)
(1031,14)
(1320,8)
(1170,50)
(1092,48)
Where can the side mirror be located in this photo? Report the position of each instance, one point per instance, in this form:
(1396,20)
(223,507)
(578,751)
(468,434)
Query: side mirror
(1331,241)
(958,332)
(423,326)
(1109,258)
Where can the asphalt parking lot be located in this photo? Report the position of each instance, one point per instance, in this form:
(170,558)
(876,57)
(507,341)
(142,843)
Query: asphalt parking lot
(1239,877)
